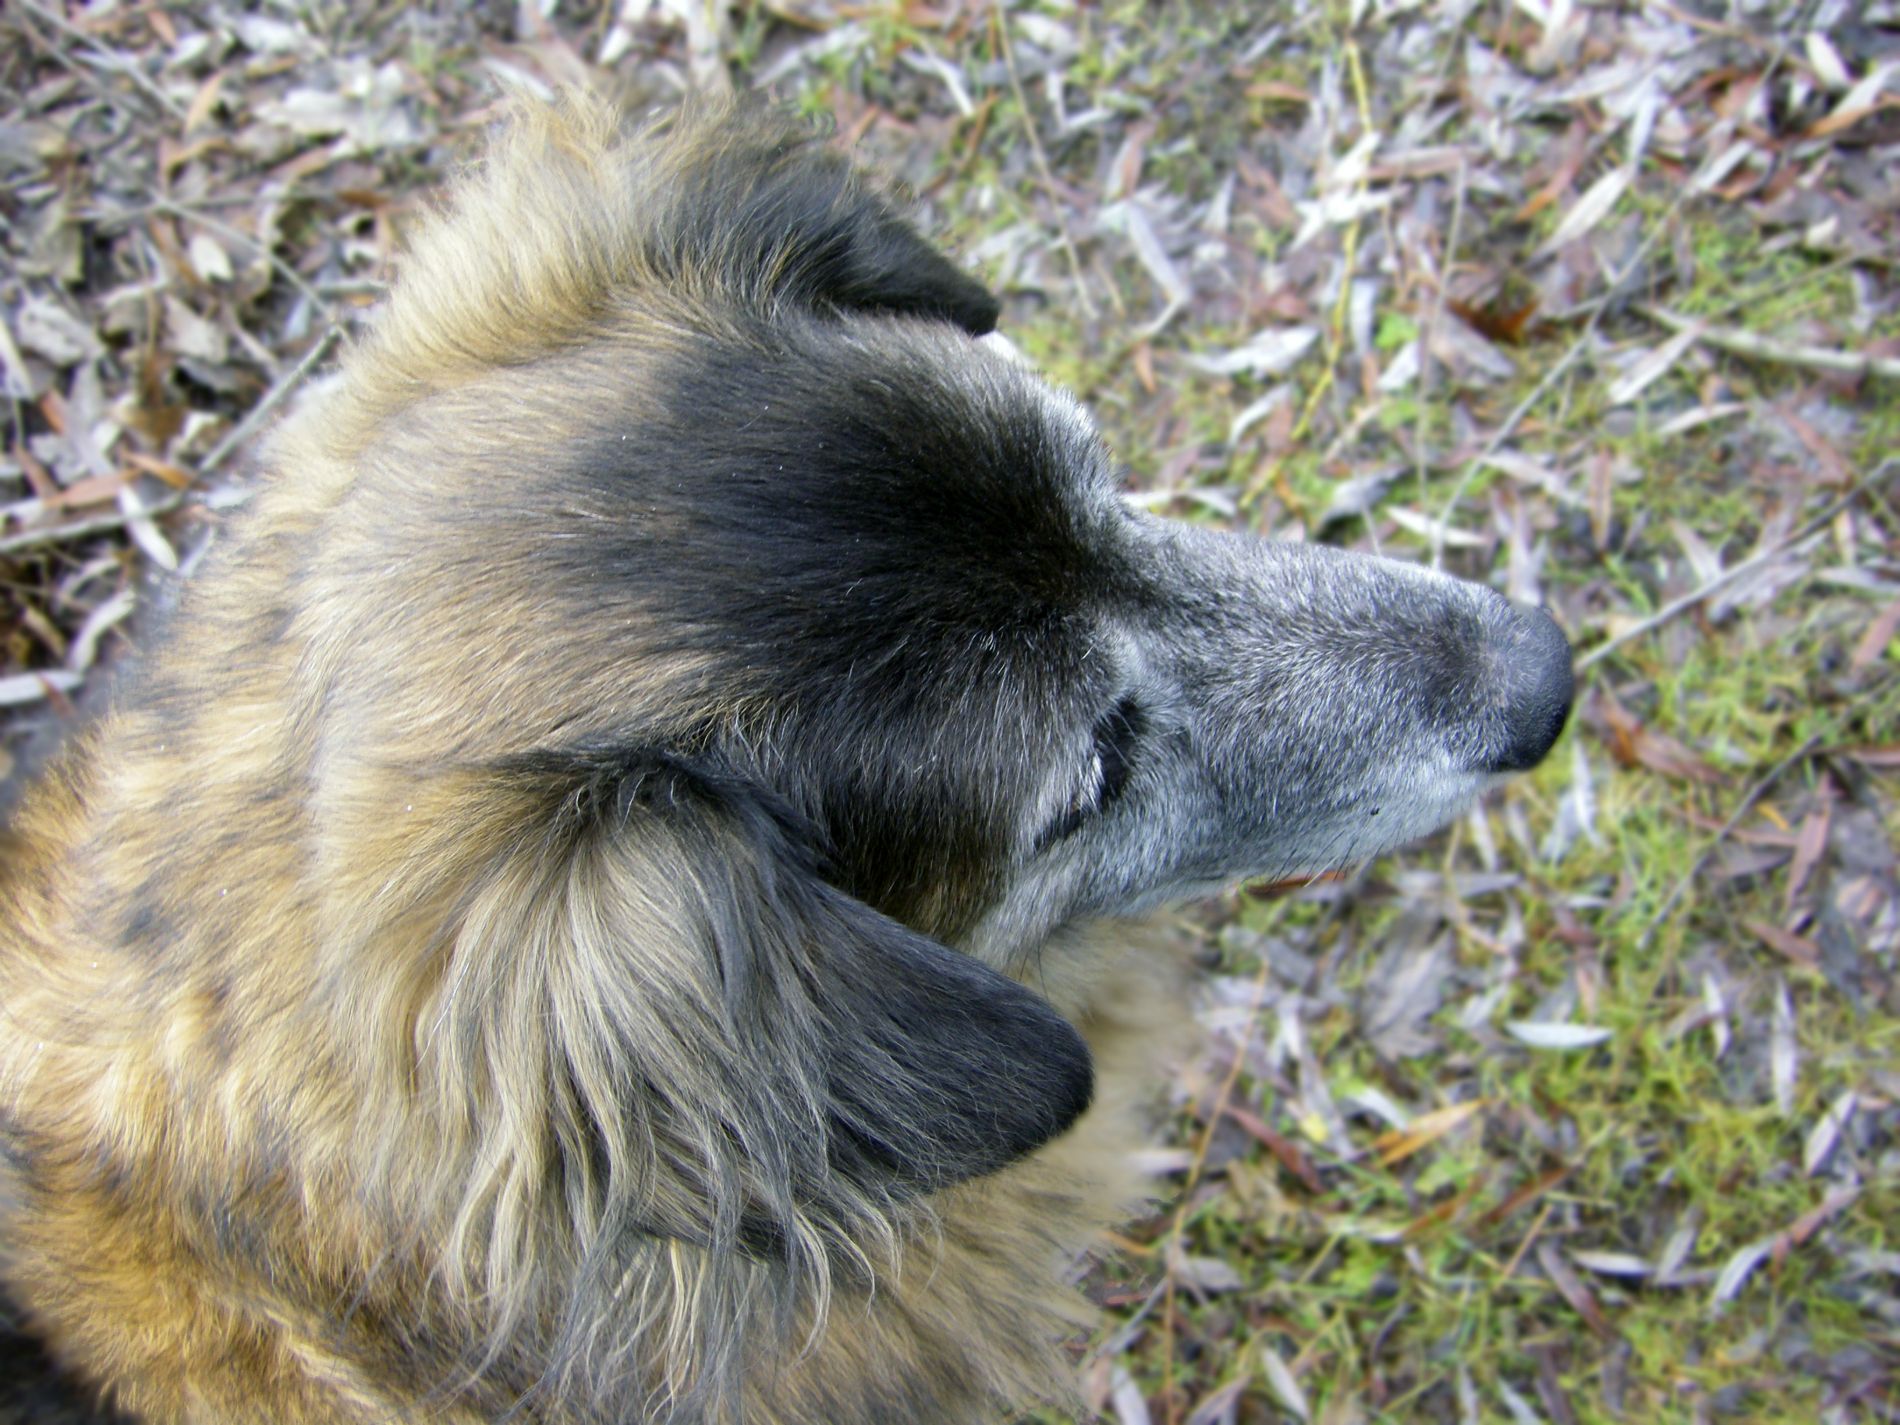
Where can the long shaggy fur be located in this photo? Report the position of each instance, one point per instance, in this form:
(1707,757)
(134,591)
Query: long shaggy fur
(607,898)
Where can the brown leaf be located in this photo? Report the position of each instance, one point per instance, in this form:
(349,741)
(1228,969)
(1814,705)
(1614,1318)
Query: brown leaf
(1848,115)
(45,487)
(1290,1155)
(1529,1192)
(1278,89)
(1809,843)
(1831,466)
(1496,320)
(1401,1143)
(162,469)
(1451,1210)
(1633,743)
(1144,355)
(1570,1286)
(1798,948)
(91,490)
(1880,632)
(198,112)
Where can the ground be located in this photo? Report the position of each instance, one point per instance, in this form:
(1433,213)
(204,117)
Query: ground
(1588,1110)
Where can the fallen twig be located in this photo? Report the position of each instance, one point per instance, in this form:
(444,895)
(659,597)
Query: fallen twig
(1676,607)
(272,399)
(92,524)
(1001,21)
(1430,334)
(1780,353)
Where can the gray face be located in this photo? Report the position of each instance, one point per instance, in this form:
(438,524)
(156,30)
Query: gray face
(1279,710)
(1267,710)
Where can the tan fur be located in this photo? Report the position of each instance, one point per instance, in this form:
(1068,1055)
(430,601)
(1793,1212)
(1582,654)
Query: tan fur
(301,1167)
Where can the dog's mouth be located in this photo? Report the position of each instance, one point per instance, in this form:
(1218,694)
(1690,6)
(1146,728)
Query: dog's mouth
(1275,890)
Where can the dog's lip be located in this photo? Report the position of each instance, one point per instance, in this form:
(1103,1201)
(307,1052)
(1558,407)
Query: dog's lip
(1273,890)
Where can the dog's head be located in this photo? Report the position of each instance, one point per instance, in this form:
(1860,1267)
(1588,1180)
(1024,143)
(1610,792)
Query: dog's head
(716,670)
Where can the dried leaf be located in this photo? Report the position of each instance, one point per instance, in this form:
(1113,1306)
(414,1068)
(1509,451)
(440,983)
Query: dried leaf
(192,335)
(1717,1007)
(1496,323)
(1798,948)
(1881,630)
(1809,843)
(1571,1288)
(1811,1221)
(144,530)
(1736,1271)
(1435,530)
(1284,1384)
(1827,1132)
(1126,1398)
(1403,991)
(1289,1154)
(1705,562)
(927,62)
(1634,743)
(1468,353)
(1132,220)
(1218,1408)
(1857,103)
(1783,1053)
(1516,1405)
(1611,1264)
(1540,1035)
(1826,61)
(1256,411)
(1267,353)
(85,644)
(49,330)
(1205,1275)
(208,259)
(1395,1147)
(1677,1247)
(1576,812)
(1589,210)
(1652,366)
(18,688)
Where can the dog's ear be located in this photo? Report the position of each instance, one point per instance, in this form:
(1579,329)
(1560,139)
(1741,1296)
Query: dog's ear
(778,209)
(703,1040)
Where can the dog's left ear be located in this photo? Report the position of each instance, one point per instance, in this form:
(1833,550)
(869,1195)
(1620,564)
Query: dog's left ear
(928,1066)
(939,1069)
(778,208)
(658,993)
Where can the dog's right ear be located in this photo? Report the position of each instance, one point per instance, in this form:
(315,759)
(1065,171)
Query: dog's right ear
(575,209)
(774,208)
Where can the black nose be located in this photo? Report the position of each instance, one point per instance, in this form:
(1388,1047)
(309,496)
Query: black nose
(1537,687)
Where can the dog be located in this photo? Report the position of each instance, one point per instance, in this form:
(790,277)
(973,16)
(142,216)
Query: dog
(615,894)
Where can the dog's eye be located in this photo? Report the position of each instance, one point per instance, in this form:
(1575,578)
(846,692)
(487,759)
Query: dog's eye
(1115,738)
(1105,775)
